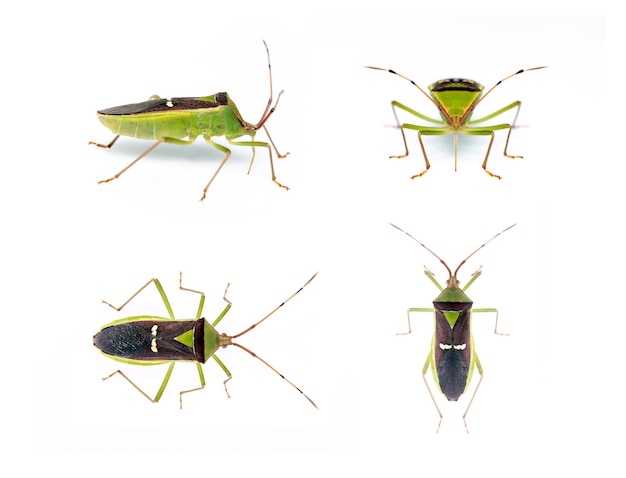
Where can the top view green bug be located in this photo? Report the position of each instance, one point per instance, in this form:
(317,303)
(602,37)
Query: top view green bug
(154,340)
(171,120)
(456,99)
(452,357)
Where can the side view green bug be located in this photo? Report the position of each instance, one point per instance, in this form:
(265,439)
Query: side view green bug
(154,340)
(452,357)
(456,99)
(182,120)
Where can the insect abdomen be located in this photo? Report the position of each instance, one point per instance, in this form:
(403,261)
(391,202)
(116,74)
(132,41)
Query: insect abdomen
(452,371)
(155,126)
(122,340)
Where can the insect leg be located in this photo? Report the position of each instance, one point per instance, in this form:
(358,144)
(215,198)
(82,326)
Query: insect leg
(261,144)
(515,104)
(131,164)
(281,156)
(397,104)
(202,297)
(202,381)
(426,131)
(492,310)
(226,371)
(486,131)
(432,397)
(106,146)
(479,367)
(157,397)
(224,150)
(506,145)
(408,316)
(161,293)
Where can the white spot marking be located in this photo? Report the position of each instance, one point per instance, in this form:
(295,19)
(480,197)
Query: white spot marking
(154,329)
(169,103)
(443,346)
(153,346)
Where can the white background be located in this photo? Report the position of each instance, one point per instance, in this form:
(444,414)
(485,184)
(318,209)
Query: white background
(549,397)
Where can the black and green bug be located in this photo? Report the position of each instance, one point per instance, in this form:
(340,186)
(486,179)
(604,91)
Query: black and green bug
(154,340)
(452,357)
(182,120)
(456,99)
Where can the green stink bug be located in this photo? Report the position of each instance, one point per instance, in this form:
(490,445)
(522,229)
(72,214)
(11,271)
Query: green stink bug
(154,340)
(456,99)
(452,356)
(171,120)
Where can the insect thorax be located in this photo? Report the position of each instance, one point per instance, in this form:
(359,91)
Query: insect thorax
(456,96)
(453,295)
(456,84)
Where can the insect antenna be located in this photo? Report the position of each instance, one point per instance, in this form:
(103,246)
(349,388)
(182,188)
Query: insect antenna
(465,260)
(277,372)
(503,80)
(427,248)
(412,82)
(259,358)
(268,315)
(268,109)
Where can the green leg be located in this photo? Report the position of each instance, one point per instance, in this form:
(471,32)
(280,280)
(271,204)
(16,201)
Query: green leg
(202,381)
(161,293)
(146,152)
(226,152)
(475,276)
(508,136)
(431,276)
(488,132)
(201,387)
(281,156)
(479,367)
(157,397)
(275,149)
(492,310)
(429,359)
(493,135)
(408,316)
(490,129)
(224,312)
(515,104)
(428,131)
(226,371)
(202,297)
(253,144)
(396,104)
(432,397)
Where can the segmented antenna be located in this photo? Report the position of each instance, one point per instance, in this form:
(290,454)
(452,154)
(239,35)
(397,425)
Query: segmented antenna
(268,112)
(259,358)
(441,260)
